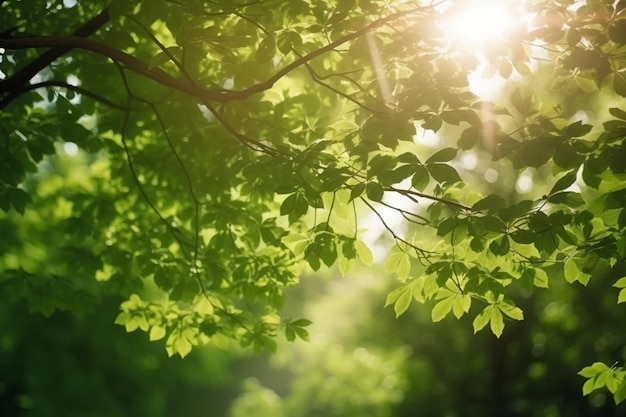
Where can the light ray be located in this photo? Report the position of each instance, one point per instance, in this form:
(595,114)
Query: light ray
(377,61)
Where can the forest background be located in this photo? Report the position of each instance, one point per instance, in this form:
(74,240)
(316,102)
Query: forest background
(307,208)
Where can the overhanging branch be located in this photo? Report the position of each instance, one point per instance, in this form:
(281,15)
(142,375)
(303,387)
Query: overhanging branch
(120,57)
(62,44)
(24,75)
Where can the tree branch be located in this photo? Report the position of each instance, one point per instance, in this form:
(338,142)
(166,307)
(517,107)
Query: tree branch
(449,203)
(120,57)
(62,44)
(24,75)
(61,84)
(419,251)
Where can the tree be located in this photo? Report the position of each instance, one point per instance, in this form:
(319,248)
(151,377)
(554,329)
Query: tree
(189,156)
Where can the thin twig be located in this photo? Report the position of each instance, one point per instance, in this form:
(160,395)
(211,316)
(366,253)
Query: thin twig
(421,252)
(193,196)
(318,80)
(133,171)
(74,88)
(449,203)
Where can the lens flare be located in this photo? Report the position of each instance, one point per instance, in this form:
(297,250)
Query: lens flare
(481,23)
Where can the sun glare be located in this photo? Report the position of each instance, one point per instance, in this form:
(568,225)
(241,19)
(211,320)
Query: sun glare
(482,28)
(479,24)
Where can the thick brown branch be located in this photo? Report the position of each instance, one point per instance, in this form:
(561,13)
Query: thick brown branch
(65,43)
(120,57)
(24,75)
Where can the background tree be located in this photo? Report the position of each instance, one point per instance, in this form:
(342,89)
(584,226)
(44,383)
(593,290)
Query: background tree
(187,156)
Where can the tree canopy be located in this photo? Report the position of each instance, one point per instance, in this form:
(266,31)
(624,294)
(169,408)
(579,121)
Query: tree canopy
(192,158)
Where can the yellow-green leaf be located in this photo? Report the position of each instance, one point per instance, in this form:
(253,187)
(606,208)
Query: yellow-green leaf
(296,242)
(497,322)
(157,333)
(510,310)
(621,283)
(570,270)
(541,279)
(588,387)
(462,304)
(182,346)
(364,253)
(400,263)
(442,308)
(122,318)
(482,319)
(404,300)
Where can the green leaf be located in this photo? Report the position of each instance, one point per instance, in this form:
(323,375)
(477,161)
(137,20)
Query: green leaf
(403,300)
(564,182)
(408,158)
(469,138)
(462,304)
(617,112)
(588,387)
(393,296)
(496,322)
(500,246)
(620,394)
(621,283)
(570,270)
(442,308)
(266,50)
(380,163)
(400,263)
(444,155)
(510,310)
(447,226)
(296,242)
(516,210)
(541,278)
(619,84)
(420,179)
(538,222)
(569,198)
(490,203)
(289,204)
(356,191)
(593,370)
(482,318)
(302,334)
(182,346)
(443,173)
(364,253)
(374,191)
(433,123)
(157,333)
(122,318)
(301,323)
(576,130)
(18,199)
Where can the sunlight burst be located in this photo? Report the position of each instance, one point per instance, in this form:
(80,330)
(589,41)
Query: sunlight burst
(480,24)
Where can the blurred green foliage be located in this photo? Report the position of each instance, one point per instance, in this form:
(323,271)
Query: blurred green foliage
(189,161)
